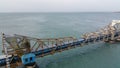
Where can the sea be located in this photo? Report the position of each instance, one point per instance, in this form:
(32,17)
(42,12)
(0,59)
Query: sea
(63,24)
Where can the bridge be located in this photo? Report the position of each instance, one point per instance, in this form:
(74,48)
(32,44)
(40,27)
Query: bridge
(16,47)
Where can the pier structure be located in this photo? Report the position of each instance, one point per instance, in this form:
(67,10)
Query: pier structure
(22,50)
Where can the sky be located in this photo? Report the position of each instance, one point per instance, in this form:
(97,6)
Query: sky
(59,5)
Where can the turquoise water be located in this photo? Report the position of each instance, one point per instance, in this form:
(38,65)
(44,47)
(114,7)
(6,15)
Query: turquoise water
(50,25)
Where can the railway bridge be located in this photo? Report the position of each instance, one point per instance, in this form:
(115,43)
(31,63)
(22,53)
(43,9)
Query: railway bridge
(22,50)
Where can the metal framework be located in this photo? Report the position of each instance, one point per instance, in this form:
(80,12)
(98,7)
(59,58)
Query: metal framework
(18,45)
(107,31)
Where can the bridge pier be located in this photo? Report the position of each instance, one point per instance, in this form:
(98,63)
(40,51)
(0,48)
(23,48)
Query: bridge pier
(110,41)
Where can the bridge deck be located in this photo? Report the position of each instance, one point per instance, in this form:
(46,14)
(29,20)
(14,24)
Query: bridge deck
(59,48)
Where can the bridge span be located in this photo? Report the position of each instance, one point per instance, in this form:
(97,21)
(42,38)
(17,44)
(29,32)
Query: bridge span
(18,48)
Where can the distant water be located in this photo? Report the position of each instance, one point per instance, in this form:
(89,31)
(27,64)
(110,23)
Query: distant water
(50,25)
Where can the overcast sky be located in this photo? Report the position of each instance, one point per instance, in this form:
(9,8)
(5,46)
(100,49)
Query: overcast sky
(59,5)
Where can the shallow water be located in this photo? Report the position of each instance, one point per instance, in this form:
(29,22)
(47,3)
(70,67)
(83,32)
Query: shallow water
(50,25)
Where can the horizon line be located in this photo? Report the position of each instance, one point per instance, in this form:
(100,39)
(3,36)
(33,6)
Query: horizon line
(62,12)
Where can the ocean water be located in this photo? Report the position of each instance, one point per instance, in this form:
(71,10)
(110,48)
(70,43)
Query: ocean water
(51,25)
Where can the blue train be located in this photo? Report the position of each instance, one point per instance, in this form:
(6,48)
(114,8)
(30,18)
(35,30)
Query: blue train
(30,58)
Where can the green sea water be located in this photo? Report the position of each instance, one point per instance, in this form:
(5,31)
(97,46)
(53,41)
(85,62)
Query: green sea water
(51,25)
